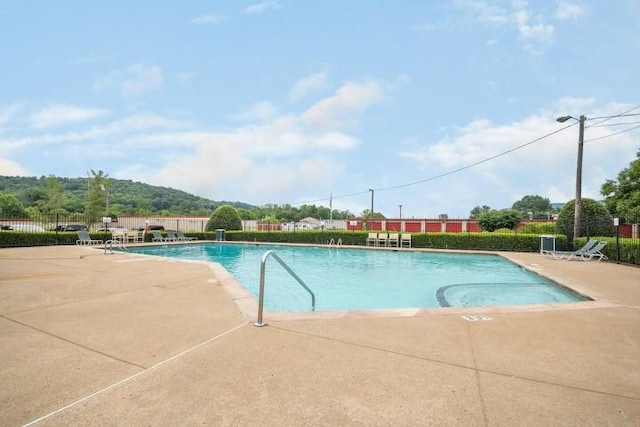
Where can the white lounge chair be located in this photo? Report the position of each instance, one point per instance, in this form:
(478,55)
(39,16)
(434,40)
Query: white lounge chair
(393,240)
(566,254)
(157,237)
(85,239)
(183,238)
(589,254)
(372,239)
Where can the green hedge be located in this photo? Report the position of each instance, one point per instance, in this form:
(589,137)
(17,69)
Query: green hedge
(49,238)
(471,241)
(516,242)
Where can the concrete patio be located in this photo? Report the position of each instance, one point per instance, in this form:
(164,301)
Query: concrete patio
(89,338)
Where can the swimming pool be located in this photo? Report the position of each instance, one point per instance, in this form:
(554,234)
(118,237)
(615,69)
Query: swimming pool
(361,279)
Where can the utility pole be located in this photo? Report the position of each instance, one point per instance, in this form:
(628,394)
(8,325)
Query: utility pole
(400,206)
(578,201)
(578,211)
(371,213)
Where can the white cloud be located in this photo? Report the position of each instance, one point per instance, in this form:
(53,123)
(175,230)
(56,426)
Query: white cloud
(10,168)
(336,110)
(61,115)
(263,7)
(142,122)
(286,154)
(522,17)
(567,10)
(308,84)
(546,167)
(532,29)
(259,111)
(8,114)
(210,19)
(133,81)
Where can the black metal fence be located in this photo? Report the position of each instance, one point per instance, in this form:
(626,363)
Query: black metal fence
(623,237)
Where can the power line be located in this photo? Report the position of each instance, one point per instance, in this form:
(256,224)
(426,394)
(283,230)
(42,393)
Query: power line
(476,163)
(614,124)
(432,178)
(446,173)
(623,114)
(613,134)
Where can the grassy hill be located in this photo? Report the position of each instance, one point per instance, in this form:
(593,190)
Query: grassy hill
(125,196)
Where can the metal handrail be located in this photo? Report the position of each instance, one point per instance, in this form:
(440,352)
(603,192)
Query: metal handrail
(110,243)
(263,263)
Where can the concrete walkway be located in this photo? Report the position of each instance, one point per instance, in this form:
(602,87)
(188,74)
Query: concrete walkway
(95,339)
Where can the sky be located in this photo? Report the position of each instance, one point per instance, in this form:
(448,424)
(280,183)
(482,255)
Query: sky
(437,106)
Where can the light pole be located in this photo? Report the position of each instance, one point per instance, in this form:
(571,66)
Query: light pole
(106,209)
(371,213)
(400,206)
(578,207)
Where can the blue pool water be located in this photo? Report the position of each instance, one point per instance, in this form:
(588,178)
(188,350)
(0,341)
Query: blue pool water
(359,279)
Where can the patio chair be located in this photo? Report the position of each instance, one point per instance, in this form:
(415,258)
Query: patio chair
(85,239)
(372,239)
(566,254)
(134,236)
(405,240)
(393,240)
(171,236)
(183,238)
(383,239)
(589,254)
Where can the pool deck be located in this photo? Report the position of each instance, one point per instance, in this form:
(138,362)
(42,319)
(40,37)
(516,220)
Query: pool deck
(88,338)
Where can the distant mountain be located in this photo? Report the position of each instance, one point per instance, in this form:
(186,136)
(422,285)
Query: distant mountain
(125,196)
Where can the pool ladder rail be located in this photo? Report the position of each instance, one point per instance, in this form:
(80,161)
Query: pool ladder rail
(109,244)
(334,243)
(263,264)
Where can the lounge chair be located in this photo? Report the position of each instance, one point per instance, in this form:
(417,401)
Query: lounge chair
(393,240)
(372,239)
(171,236)
(85,239)
(183,238)
(590,254)
(405,240)
(566,254)
(157,236)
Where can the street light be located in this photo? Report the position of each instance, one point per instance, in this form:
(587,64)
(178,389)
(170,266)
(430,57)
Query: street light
(578,207)
(106,210)
(400,206)
(371,213)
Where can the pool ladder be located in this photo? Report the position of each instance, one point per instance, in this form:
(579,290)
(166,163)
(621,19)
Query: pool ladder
(334,243)
(109,244)
(263,264)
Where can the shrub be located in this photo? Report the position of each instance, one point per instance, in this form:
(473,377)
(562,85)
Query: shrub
(494,220)
(226,217)
(539,228)
(595,219)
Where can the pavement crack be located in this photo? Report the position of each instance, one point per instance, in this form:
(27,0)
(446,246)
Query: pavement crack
(93,350)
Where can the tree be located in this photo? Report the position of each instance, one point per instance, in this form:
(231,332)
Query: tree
(54,200)
(596,219)
(537,205)
(494,220)
(478,210)
(10,206)
(97,191)
(622,196)
(368,215)
(226,217)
